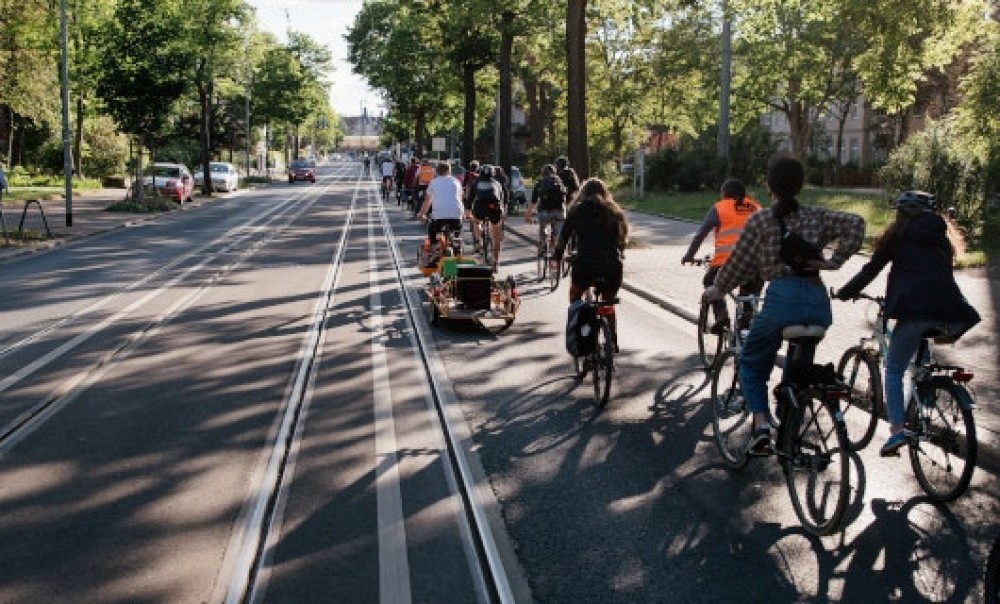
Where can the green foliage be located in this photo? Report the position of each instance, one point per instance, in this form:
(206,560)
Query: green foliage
(179,150)
(105,150)
(691,166)
(937,160)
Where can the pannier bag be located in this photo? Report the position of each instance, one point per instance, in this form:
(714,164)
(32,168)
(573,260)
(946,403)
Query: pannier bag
(581,328)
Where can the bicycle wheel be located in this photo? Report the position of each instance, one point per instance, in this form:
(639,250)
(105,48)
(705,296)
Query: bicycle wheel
(568,253)
(731,420)
(943,454)
(542,262)
(991,582)
(709,344)
(861,372)
(816,464)
(553,272)
(486,245)
(602,362)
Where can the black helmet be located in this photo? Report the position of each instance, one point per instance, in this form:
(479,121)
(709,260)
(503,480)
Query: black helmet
(548,170)
(913,202)
(486,171)
(562,162)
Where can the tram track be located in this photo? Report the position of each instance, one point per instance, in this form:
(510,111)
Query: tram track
(253,544)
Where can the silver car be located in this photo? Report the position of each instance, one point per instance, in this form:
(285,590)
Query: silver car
(224,176)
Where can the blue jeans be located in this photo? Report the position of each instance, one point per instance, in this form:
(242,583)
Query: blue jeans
(789,301)
(905,340)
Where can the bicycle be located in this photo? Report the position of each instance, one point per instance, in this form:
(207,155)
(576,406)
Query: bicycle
(811,443)
(860,364)
(386,188)
(546,259)
(942,430)
(599,358)
(711,345)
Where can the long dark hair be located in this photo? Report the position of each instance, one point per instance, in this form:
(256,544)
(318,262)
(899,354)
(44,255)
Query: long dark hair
(594,190)
(896,230)
(785,177)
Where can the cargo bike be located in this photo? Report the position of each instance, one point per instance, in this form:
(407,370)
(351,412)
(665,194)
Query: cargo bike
(459,288)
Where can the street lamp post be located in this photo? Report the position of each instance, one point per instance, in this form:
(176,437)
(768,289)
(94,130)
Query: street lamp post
(726,77)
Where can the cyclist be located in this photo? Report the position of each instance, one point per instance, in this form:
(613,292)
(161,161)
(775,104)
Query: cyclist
(782,244)
(424,176)
(921,294)
(487,205)
(601,231)
(400,174)
(570,180)
(410,181)
(726,219)
(368,164)
(388,170)
(3,183)
(444,194)
(501,177)
(468,182)
(549,196)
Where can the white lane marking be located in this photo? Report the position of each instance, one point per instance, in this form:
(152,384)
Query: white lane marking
(254,541)
(394,567)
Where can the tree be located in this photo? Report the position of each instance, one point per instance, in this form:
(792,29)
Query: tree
(144,66)
(576,83)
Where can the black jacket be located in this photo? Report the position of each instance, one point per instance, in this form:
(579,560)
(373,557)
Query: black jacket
(596,234)
(921,284)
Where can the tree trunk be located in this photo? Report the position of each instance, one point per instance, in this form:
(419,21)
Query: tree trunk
(419,126)
(469,114)
(536,123)
(78,138)
(576,84)
(841,123)
(505,134)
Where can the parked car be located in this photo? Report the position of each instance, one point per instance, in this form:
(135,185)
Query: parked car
(301,170)
(170,180)
(517,186)
(224,176)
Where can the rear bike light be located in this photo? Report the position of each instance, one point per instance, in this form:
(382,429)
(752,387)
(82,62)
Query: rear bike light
(606,311)
(961,376)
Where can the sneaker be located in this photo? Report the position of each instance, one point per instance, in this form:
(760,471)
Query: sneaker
(895,443)
(719,326)
(760,442)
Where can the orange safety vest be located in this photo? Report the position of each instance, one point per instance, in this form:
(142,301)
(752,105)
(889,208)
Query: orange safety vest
(732,216)
(425,174)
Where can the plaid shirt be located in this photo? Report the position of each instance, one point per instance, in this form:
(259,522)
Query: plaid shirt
(756,253)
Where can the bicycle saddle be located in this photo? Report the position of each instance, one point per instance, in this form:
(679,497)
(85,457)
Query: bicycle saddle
(795,332)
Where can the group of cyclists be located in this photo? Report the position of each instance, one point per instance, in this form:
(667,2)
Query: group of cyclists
(781,245)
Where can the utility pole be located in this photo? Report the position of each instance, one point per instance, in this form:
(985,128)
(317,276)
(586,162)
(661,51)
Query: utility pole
(64,85)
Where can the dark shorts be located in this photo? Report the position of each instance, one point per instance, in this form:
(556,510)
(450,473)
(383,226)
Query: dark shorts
(488,211)
(585,274)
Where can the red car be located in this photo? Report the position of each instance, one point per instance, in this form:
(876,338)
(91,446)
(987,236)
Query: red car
(170,180)
(301,169)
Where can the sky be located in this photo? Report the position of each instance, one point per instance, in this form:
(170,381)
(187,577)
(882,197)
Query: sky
(326,22)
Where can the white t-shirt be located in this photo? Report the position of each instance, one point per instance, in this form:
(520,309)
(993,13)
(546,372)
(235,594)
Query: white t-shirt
(388,168)
(446,196)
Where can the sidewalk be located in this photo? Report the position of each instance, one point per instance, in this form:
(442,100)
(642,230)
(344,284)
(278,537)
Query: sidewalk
(653,270)
(90,217)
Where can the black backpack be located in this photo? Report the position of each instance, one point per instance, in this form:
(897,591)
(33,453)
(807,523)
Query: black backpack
(485,196)
(551,193)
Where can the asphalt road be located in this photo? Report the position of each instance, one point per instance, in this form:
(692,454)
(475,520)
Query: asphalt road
(182,339)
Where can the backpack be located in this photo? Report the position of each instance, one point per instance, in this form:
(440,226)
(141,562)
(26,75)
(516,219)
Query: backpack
(796,252)
(552,194)
(581,328)
(486,196)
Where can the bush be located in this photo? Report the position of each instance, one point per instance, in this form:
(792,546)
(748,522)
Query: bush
(936,160)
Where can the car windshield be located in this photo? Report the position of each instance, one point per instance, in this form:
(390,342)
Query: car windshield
(298,165)
(515,177)
(168,171)
(219,168)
